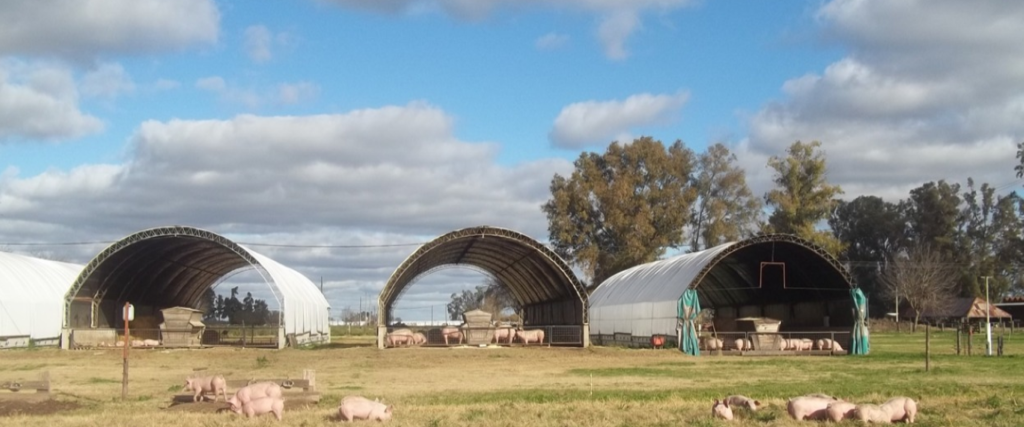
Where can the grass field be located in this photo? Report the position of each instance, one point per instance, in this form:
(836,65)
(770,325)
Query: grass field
(599,386)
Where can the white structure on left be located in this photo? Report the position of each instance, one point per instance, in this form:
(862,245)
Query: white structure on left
(32,299)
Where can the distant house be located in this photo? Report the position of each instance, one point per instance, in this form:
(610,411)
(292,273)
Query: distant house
(1014,306)
(963,309)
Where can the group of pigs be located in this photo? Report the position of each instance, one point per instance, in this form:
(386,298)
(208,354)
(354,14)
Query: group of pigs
(454,335)
(824,407)
(265,398)
(791,344)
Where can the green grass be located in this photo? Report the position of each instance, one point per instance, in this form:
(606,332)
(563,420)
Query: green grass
(544,387)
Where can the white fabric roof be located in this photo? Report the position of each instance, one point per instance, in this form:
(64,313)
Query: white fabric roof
(32,295)
(304,308)
(657,281)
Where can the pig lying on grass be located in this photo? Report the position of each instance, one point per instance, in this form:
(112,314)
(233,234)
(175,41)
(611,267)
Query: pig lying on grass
(810,407)
(742,401)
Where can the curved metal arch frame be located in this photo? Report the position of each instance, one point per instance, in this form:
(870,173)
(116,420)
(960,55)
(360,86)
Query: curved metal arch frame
(772,238)
(171,231)
(390,294)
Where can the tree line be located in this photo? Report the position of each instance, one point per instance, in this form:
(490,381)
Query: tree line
(248,311)
(634,202)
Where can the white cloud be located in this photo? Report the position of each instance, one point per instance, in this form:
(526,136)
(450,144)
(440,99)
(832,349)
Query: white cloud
(40,102)
(107,81)
(552,41)
(929,91)
(618,18)
(212,84)
(378,176)
(294,93)
(615,28)
(258,40)
(166,84)
(82,29)
(599,122)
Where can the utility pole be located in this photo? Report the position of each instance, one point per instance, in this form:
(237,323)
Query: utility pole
(988,320)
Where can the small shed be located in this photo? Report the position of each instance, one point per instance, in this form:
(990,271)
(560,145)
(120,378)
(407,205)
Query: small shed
(182,327)
(963,309)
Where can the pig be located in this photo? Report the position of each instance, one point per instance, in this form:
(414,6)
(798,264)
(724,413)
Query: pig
(738,343)
(721,410)
(742,401)
(202,385)
(505,334)
(531,335)
(361,408)
(260,406)
(901,409)
(254,391)
(451,333)
(871,414)
(398,340)
(712,343)
(783,344)
(809,407)
(819,345)
(150,343)
(418,338)
(748,345)
(838,411)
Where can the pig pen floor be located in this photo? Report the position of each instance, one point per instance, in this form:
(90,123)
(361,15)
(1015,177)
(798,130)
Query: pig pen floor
(9,407)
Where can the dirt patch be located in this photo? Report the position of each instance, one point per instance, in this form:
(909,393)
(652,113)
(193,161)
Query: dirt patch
(205,407)
(33,407)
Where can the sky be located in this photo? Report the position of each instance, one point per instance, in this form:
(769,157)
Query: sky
(335,136)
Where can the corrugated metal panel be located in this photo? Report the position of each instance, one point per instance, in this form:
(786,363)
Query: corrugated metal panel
(32,294)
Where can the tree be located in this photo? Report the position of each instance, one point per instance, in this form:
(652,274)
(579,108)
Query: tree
(921,277)
(726,210)
(208,305)
(989,241)
(1020,156)
(803,197)
(933,214)
(492,297)
(622,208)
(871,231)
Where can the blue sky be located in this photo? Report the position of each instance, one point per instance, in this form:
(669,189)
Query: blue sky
(374,122)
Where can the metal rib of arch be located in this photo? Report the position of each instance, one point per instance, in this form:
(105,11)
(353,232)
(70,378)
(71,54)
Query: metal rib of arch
(532,272)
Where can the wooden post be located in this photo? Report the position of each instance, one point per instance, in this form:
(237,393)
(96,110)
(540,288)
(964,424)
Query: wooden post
(970,337)
(959,331)
(927,347)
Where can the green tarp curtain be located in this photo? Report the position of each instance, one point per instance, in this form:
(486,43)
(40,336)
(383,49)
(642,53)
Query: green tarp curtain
(859,343)
(689,308)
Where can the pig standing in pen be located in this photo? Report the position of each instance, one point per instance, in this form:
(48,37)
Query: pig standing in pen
(252,392)
(260,406)
(451,334)
(530,336)
(504,334)
(201,385)
(360,408)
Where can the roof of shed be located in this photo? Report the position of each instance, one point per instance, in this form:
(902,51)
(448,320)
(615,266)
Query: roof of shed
(731,275)
(532,272)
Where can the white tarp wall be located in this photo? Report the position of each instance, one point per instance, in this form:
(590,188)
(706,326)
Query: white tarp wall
(305,311)
(32,296)
(643,300)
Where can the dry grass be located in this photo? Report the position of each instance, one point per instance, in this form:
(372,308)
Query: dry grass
(532,386)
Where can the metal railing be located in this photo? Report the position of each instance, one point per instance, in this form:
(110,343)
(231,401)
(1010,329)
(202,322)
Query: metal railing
(568,335)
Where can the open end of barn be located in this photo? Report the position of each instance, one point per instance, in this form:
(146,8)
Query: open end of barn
(761,290)
(544,286)
(164,272)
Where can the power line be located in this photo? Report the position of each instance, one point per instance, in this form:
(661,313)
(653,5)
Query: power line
(392,245)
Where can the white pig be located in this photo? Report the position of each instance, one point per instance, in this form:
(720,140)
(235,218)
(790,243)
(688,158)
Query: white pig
(254,391)
(742,401)
(260,406)
(871,414)
(202,385)
(418,338)
(361,408)
(901,409)
(504,334)
(529,336)
(809,407)
(838,411)
(721,410)
(451,333)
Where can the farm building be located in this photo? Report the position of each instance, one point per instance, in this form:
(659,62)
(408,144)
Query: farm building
(1014,306)
(31,298)
(168,267)
(549,293)
(769,278)
(967,309)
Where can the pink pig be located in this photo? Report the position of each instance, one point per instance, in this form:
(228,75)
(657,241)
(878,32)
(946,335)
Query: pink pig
(838,411)
(202,385)
(361,408)
(809,407)
(871,414)
(901,409)
(721,410)
(504,334)
(253,391)
(529,336)
(260,406)
(418,338)
(452,333)
(743,401)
